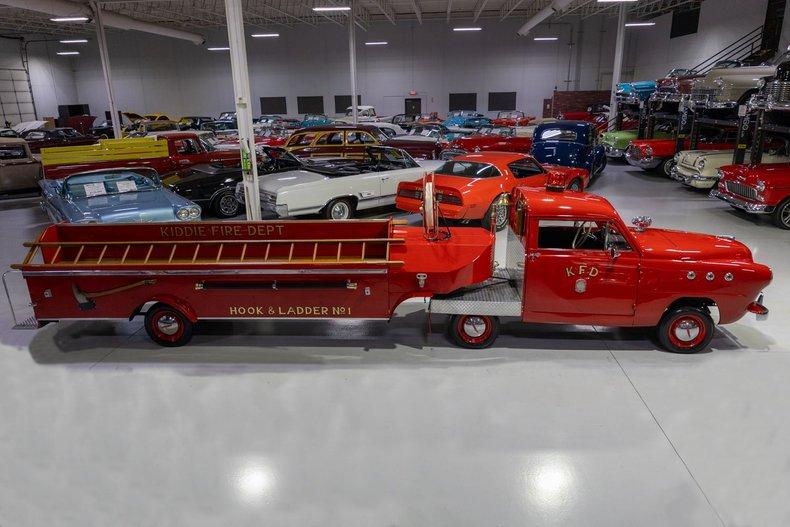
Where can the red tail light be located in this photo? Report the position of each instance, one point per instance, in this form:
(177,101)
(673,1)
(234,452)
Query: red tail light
(448,196)
(757,308)
(413,193)
(555,182)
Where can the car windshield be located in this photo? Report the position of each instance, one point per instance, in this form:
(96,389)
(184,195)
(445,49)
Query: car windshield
(424,131)
(393,158)
(468,169)
(108,183)
(8,133)
(68,132)
(12,152)
(208,142)
(510,115)
(558,134)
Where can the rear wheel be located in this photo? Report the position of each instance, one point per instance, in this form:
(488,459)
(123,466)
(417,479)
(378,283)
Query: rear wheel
(339,209)
(473,331)
(167,326)
(226,206)
(686,330)
(576,185)
(781,215)
(501,211)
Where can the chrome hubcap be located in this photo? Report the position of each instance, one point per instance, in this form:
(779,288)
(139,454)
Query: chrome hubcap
(340,211)
(168,325)
(228,205)
(785,215)
(474,326)
(687,331)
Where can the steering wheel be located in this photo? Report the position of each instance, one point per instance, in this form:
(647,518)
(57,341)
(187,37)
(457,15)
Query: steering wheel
(583,233)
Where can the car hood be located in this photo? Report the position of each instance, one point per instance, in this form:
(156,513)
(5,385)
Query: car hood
(692,157)
(128,207)
(775,175)
(292,178)
(198,177)
(680,245)
(752,73)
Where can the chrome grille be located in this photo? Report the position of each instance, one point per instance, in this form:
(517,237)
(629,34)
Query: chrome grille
(702,94)
(742,190)
(779,91)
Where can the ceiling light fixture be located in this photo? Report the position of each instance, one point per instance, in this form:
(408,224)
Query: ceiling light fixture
(219,49)
(539,39)
(68,52)
(75,41)
(377,43)
(467,29)
(332,8)
(70,19)
(265,35)
(639,24)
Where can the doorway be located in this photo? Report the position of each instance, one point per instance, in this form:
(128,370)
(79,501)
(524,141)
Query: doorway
(413,106)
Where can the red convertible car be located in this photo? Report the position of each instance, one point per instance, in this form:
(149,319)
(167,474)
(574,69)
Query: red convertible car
(757,189)
(476,186)
(649,154)
(499,139)
(512,118)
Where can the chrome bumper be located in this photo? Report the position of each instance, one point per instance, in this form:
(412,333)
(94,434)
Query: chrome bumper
(693,180)
(613,152)
(645,163)
(666,97)
(748,206)
(777,106)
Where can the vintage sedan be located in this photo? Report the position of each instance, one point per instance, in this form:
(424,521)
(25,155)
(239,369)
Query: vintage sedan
(48,137)
(338,190)
(512,118)
(19,171)
(659,154)
(341,140)
(757,189)
(570,144)
(700,168)
(213,186)
(476,186)
(115,195)
(499,139)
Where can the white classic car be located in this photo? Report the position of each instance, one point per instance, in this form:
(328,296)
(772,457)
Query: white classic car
(338,188)
(699,168)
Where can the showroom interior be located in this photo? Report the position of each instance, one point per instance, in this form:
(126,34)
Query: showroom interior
(534,275)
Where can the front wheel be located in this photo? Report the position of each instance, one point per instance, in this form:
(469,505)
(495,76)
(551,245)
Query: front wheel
(781,215)
(686,330)
(666,166)
(501,211)
(168,326)
(473,331)
(576,185)
(226,206)
(339,209)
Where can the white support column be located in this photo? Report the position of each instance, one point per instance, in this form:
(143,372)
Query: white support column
(242,93)
(352,62)
(101,39)
(618,63)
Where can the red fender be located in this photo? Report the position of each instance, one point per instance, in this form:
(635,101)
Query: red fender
(177,303)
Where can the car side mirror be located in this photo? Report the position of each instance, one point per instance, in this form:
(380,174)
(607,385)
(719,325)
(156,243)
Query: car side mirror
(613,252)
(642,222)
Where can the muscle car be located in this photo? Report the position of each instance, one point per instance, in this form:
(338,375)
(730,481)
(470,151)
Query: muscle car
(499,139)
(700,168)
(476,186)
(649,154)
(118,195)
(571,144)
(49,137)
(339,189)
(213,186)
(19,171)
(342,140)
(512,118)
(757,189)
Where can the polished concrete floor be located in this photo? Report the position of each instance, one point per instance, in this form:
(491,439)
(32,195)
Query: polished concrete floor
(379,424)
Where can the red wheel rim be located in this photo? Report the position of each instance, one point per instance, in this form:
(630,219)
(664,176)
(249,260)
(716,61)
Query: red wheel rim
(474,329)
(687,331)
(167,325)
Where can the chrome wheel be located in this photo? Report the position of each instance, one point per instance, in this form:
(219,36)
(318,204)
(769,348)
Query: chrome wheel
(340,211)
(474,327)
(686,330)
(575,186)
(168,325)
(782,215)
(228,205)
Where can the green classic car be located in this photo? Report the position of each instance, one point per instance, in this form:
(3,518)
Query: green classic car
(616,143)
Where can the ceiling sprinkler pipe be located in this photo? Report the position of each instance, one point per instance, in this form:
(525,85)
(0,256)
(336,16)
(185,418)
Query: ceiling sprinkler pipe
(543,14)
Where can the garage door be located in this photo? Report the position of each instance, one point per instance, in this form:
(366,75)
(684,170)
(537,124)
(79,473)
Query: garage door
(16,101)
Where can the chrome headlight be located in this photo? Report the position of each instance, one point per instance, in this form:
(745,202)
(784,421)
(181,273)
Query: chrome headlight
(760,186)
(719,173)
(761,83)
(194,212)
(648,151)
(701,164)
(183,213)
(677,158)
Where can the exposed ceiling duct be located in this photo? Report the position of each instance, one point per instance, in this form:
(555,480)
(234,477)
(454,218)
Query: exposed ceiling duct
(554,7)
(64,8)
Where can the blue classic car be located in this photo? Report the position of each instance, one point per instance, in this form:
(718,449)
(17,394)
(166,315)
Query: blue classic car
(115,195)
(570,144)
(315,119)
(634,92)
(457,118)
(476,122)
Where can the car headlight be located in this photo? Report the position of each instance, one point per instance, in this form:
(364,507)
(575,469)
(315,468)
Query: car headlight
(194,212)
(760,186)
(701,164)
(183,213)
(677,158)
(719,174)
(648,151)
(760,83)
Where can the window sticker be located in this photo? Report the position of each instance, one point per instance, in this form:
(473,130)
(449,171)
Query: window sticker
(127,186)
(94,189)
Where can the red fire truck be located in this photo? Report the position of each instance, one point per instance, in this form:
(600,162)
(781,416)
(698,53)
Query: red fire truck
(570,259)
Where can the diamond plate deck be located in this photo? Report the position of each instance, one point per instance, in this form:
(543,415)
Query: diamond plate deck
(496,296)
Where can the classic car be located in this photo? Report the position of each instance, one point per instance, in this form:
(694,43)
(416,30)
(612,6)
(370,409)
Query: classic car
(266,121)
(404,120)
(19,171)
(389,129)
(48,137)
(8,132)
(227,116)
(424,141)
(649,154)
(339,189)
(221,126)
(616,143)
(183,150)
(458,117)
(116,195)
(365,114)
(727,88)
(635,92)
(342,140)
(499,139)
(143,128)
(476,186)
(757,189)
(512,118)
(700,168)
(571,144)
(675,85)
(430,118)
(156,117)
(103,129)
(213,186)
(192,122)
(471,124)
(776,89)
(314,119)
(597,114)
(272,136)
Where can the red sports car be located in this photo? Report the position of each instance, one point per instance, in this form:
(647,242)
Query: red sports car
(512,118)
(476,186)
(499,139)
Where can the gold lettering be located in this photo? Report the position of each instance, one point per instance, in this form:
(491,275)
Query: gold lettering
(233,310)
(593,272)
(569,271)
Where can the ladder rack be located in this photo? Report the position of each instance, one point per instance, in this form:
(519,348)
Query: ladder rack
(164,253)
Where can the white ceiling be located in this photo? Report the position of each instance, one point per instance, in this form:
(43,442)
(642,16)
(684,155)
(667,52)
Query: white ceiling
(271,14)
